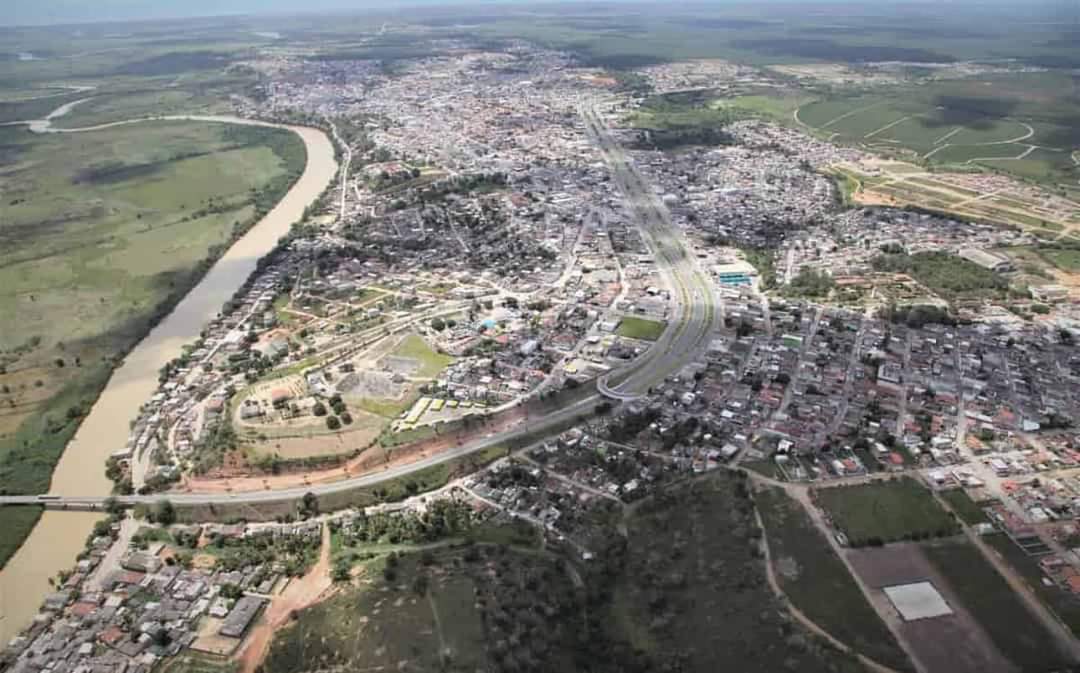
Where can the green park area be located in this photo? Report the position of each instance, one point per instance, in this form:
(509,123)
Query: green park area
(640,328)
(885,511)
(103,232)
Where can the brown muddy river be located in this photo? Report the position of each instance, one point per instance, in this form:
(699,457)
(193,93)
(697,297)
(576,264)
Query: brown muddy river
(59,536)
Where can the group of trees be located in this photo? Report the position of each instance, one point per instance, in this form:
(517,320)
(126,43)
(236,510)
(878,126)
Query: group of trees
(443,518)
(810,283)
(949,276)
(342,415)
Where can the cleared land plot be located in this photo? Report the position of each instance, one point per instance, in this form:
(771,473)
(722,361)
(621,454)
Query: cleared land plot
(818,582)
(987,596)
(1064,259)
(953,642)
(640,328)
(320,442)
(194,662)
(885,511)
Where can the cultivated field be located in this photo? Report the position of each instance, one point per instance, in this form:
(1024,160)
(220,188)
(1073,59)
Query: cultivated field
(994,605)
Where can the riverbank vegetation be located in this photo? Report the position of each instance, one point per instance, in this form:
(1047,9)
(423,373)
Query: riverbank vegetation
(103,233)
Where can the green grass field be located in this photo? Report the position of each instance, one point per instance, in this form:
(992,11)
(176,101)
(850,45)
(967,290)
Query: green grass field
(965,508)
(885,511)
(818,583)
(640,328)
(431,362)
(1018,635)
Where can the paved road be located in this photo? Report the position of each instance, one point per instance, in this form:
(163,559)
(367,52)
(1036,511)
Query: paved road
(697,307)
(696,312)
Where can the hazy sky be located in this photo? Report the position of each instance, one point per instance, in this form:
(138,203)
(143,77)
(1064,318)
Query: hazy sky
(30,12)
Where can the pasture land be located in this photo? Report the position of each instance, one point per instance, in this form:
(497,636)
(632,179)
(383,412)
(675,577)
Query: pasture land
(103,231)
(885,511)
(987,123)
(819,584)
(112,107)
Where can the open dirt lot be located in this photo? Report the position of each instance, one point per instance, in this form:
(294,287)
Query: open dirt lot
(954,643)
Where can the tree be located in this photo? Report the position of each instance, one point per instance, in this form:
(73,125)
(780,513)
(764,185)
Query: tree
(231,591)
(113,506)
(319,409)
(309,505)
(333,423)
(164,513)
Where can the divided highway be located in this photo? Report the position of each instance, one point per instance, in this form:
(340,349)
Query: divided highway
(696,306)
(696,311)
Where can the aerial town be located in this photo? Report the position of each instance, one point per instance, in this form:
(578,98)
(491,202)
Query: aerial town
(492,274)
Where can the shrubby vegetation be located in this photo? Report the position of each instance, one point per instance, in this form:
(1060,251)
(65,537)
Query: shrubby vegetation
(810,283)
(952,277)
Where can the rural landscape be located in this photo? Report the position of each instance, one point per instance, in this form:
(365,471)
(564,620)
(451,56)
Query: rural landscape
(579,336)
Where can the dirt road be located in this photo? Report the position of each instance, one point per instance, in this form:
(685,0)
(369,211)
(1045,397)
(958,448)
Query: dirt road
(313,587)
